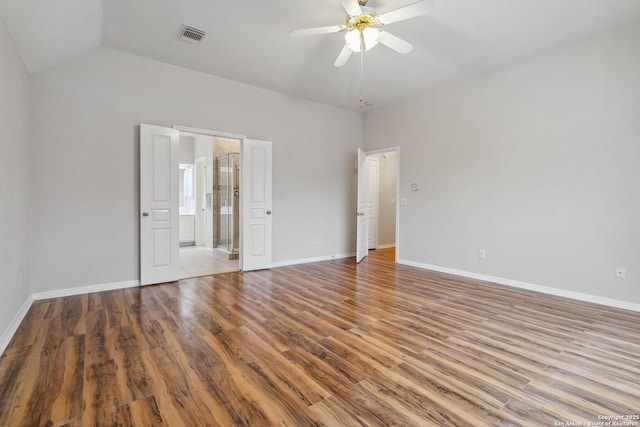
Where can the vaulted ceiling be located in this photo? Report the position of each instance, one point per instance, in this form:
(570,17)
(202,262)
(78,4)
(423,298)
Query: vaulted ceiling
(248,41)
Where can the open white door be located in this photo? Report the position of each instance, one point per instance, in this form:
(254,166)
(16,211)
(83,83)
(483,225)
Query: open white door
(159,216)
(362,238)
(255,205)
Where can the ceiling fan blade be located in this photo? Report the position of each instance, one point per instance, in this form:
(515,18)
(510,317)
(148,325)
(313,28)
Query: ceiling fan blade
(416,9)
(395,43)
(344,56)
(352,7)
(316,31)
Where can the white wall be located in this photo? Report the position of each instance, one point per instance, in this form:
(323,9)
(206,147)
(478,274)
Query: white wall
(14,185)
(538,164)
(86,114)
(187,150)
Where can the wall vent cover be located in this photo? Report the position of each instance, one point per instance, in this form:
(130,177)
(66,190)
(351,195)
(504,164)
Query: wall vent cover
(191,34)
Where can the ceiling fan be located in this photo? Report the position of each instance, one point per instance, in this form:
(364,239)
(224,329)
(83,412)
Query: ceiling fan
(363,28)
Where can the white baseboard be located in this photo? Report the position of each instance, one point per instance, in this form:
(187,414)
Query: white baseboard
(390,245)
(15,323)
(528,286)
(86,289)
(308,260)
(22,312)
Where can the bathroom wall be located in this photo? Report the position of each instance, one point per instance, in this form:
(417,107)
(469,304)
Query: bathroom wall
(222,146)
(187,221)
(187,153)
(203,148)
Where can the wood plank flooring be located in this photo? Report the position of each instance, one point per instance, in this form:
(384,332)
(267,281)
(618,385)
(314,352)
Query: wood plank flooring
(324,344)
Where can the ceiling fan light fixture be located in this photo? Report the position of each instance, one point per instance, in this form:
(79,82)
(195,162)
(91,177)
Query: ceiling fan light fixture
(362,32)
(370,36)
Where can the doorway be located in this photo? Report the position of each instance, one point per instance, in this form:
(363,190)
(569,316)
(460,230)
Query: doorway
(377,205)
(209,192)
(164,189)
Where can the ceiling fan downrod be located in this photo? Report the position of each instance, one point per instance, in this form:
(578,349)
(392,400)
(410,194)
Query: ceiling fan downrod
(362,49)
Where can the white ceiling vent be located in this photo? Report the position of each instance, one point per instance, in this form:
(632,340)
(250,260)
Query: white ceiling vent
(192,34)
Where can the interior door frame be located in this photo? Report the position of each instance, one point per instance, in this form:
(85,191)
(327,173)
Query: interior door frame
(362,198)
(220,134)
(201,161)
(395,148)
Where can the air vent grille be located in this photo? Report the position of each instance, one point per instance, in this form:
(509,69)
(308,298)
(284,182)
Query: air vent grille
(192,34)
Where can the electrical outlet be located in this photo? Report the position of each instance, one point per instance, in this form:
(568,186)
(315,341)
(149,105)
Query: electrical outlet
(482,253)
(403,201)
(621,272)
(315,240)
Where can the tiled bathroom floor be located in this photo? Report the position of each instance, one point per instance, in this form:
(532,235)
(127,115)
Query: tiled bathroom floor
(196,261)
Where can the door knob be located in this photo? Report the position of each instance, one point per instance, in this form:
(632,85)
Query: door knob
(145,213)
(268,212)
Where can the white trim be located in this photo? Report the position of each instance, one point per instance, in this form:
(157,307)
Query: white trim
(528,286)
(389,245)
(309,260)
(86,289)
(398,170)
(209,132)
(203,161)
(15,323)
(384,150)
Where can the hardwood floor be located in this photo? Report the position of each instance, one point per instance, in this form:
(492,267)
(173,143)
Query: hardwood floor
(328,343)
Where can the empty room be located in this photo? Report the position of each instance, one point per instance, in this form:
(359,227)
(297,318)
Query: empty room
(319,213)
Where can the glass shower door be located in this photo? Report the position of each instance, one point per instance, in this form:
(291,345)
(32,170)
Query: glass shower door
(227,203)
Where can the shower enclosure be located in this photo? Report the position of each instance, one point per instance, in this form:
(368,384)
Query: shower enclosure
(227,201)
